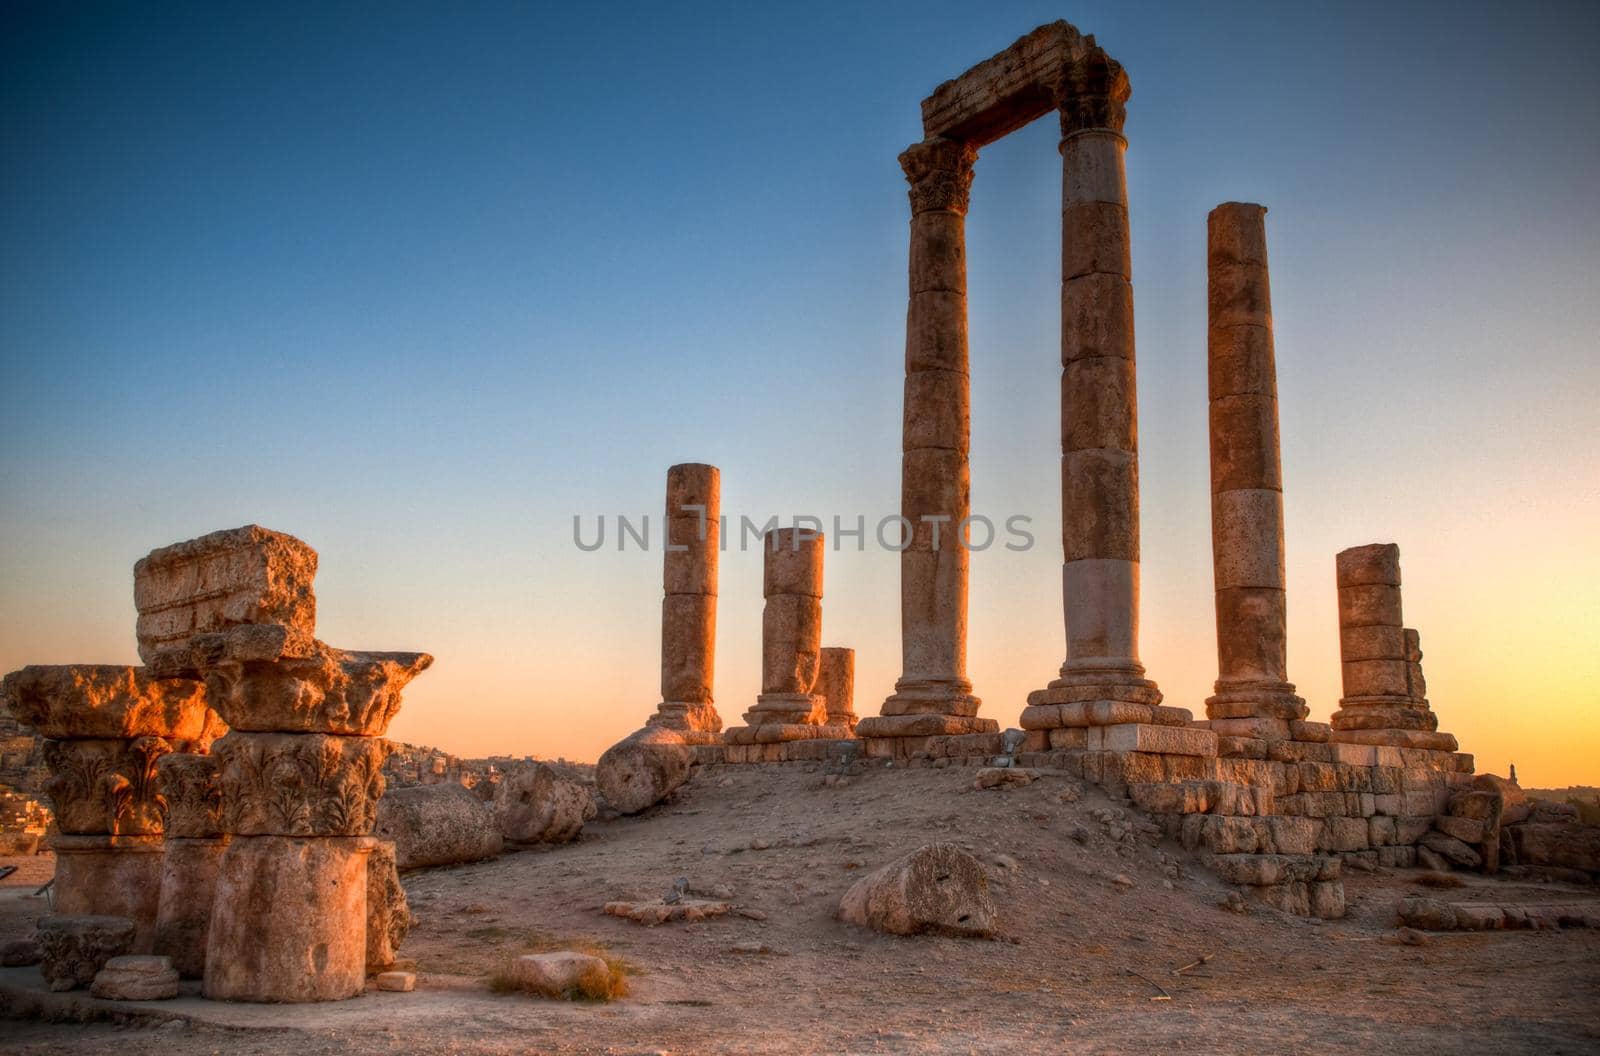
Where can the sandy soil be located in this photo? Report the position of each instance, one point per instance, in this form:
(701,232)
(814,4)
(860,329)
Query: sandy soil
(787,843)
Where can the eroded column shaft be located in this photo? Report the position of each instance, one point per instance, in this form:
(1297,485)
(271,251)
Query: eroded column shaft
(689,604)
(791,629)
(1099,417)
(1246,475)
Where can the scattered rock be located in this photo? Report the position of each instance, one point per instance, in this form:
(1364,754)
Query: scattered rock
(437,825)
(750,948)
(1428,860)
(1070,793)
(1122,880)
(538,805)
(642,769)
(136,978)
(72,950)
(1079,834)
(1427,913)
(398,982)
(1003,777)
(564,975)
(1411,937)
(938,888)
(1233,902)
(1451,850)
(661,912)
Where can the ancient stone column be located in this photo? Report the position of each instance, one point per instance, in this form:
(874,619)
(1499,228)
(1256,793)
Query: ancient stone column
(1099,415)
(300,771)
(191,858)
(836,685)
(1384,700)
(933,694)
(1253,695)
(689,608)
(107,728)
(788,707)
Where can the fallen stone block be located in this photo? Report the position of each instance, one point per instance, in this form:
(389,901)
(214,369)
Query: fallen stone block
(136,978)
(437,825)
(564,976)
(1451,850)
(642,769)
(538,805)
(1467,830)
(938,888)
(20,953)
(659,911)
(1003,777)
(397,982)
(73,949)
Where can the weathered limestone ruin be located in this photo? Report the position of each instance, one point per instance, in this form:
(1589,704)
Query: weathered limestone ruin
(788,707)
(689,607)
(1385,697)
(300,770)
(108,727)
(836,685)
(1253,695)
(194,845)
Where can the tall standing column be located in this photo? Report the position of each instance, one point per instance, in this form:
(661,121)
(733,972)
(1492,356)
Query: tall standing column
(1253,695)
(933,694)
(1099,417)
(689,607)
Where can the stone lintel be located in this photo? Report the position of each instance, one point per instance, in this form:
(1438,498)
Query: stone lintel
(1007,91)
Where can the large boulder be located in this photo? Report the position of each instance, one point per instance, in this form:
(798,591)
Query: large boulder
(1565,844)
(938,888)
(437,825)
(538,805)
(642,769)
(388,914)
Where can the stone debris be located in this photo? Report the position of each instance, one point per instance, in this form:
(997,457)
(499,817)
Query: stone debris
(388,913)
(661,911)
(564,976)
(1432,914)
(537,805)
(433,825)
(73,949)
(642,769)
(1003,777)
(938,888)
(397,982)
(136,978)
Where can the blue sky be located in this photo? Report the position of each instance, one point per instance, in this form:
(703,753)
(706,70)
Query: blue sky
(419,283)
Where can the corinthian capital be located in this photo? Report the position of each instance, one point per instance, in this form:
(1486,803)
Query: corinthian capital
(1093,93)
(940,173)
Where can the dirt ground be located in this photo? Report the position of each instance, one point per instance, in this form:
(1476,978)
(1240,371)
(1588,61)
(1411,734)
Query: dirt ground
(1082,962)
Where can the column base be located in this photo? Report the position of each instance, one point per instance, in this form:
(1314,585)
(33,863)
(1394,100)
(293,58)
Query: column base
(1259,710)
(1384,713)
(111,876)
(1431,740)
(805,709)
(1100,693)
(924,725)
(783,732)
(930,696)
(699,722)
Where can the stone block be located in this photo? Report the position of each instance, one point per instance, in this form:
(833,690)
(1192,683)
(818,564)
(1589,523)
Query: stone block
(1240,361)
(1097,404)
(1094,240)
(1096,318)
(113,876)
(1467,830)
(929,725)
(1369,605)
(246,575)
(1345,834)
(1375,563)
(396,982)
(1098,521)
(1238,294)
(938,888)
(437,825)
(1244,446)
(136,977)
(1380,831)
(1141,737)
(689,560)
(1371,642)
(936,331)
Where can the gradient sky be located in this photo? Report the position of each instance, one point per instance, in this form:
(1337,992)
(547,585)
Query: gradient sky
(419,283)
